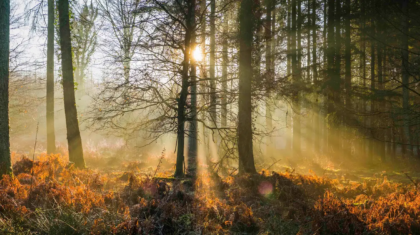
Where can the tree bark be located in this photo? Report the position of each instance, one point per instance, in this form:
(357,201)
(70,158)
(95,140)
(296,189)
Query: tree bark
(314,43)
(268,62)
(296,80)
(372,84)
(193,136)
(332,80)
(245,149)
(73,133)
(225,58)
(213,99)
(5,161)
(348,56)
(179,167)
(407,146)
(51,148)
(289,40)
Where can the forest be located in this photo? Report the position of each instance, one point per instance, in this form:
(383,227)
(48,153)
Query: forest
(209,117)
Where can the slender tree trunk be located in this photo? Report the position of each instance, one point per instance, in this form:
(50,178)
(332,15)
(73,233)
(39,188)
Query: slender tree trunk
(372,84)
(203,70)
(193,136)
(324,37)
(299,36)
(314,42)
(213,101)
(295,80)
(332,79)
(338,87)
(308,55)
(365,145)
(381,144)
(5,162)
(179,167)
(225,58)
(289,28)
(347,77)
(407,146)
(268,62)
(50,80)
(73,133)
(348,56)
(259,37)
(245,149)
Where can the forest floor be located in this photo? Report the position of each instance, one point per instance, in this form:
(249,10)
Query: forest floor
(49,196)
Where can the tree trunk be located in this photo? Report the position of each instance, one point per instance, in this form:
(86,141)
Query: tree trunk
(213,99)
(372,85)
(50,80)
(289,54)
(245,149)
(314,43)
(348,56)
(225,58)
(268,62)
(296,80)
(324,36)
(308,55)
(179,167)
(407,146)
(73,134)
(363,64)
(5,162)
(347,77)
(330,68)
(192,137)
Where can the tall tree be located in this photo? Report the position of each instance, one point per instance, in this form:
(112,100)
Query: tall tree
(192,137)
(405,75)
(225,62)
(296,77)
(84,42)
(269,5)
(332,80)
(213,100)
(289,40)
(73,133)
(5,161)
(245,149)
(182,101)
(314,41)
(123,19)
(51,148)
(348,55)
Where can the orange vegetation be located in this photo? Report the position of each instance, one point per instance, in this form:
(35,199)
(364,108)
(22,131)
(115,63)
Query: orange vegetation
(56,198)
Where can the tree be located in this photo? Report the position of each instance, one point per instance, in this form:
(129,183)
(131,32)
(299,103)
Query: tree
(295,79)
(5,161)
(269,5)
(245,149)
(84,35)
(212,70)
(73,133)
(192,137)
(124,23)
(405,75)
(50,80)
(189,33)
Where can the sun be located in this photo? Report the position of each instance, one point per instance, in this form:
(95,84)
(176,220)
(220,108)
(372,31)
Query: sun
(197,54)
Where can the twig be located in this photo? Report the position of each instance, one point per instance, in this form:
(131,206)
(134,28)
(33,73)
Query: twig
(33,155)
(273,164)
(411,179)
(160,161)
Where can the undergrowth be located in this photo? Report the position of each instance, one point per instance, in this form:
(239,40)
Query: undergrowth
(50,196)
